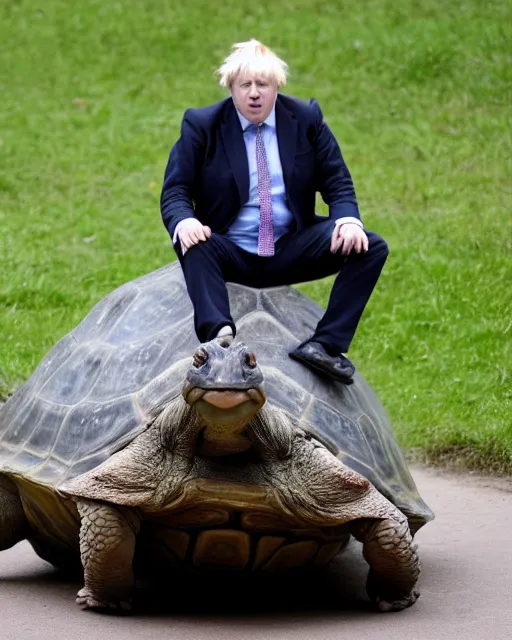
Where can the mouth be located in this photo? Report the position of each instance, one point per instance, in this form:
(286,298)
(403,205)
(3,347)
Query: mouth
(225,414)
(225,398)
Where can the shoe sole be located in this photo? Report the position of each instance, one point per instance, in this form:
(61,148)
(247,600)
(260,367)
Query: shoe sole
(326,372)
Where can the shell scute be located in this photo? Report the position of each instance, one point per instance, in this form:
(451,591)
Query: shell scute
(98,427)
(298,313)
(338,428)
(36,429)
(286,393)
(98,323)
(133,366)
(149,315)
(73,381)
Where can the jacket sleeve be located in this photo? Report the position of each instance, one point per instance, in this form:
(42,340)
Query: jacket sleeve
(183,168)
(332,177)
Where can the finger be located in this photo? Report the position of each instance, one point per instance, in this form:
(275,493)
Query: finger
(345,249)
(338,242)
(336,246)
(184,238)
(207,231)
(341,243)
(335,240)
(194,236)
(200,235)
(365,242)
(184,245)
(188,240)
(358,243)
(347,245)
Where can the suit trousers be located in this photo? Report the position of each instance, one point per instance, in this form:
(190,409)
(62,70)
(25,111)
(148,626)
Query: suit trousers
(300,256)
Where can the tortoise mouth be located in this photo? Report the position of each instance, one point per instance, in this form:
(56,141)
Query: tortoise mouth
(226,398)
(225,414)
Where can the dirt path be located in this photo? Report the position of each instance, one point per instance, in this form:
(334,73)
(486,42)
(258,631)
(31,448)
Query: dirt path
(466,588)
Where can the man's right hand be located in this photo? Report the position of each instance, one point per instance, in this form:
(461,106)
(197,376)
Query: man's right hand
(190,232)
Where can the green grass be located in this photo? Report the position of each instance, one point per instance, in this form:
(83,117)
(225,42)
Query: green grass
(416,93)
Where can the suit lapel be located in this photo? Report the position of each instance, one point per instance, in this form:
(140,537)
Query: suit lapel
(234,146)
(286,127)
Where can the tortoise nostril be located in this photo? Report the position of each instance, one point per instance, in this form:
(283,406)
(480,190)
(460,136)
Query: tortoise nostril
(250,359)
(200,358)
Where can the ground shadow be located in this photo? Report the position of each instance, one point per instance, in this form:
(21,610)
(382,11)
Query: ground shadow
(338,587)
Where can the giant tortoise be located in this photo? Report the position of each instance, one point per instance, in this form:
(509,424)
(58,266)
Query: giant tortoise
(133,446)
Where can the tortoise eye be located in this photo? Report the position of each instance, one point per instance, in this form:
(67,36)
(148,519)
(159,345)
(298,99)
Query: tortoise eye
(200,358)
(250,359)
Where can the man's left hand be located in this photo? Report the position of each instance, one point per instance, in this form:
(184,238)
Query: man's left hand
(348,236)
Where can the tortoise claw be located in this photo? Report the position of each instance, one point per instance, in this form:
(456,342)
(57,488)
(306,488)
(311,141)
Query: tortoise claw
(397,605)
(86,600)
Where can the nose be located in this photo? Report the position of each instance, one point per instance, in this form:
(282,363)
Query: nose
(254,93)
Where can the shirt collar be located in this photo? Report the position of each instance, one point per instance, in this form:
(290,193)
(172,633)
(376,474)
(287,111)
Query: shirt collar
(270,121)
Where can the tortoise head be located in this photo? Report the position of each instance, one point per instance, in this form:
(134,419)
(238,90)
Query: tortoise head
(225,386)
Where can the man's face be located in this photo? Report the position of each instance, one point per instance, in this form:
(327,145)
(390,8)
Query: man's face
(254,96)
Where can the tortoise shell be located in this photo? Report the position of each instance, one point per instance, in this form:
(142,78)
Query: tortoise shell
(95,391)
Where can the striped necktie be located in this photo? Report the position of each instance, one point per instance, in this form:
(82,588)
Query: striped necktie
(266,232)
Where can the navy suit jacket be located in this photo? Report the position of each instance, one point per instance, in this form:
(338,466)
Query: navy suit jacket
(207,175)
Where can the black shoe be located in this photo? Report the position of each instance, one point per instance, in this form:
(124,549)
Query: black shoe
(313,355)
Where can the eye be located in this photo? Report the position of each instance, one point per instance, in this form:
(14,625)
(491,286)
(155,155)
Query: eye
(200,358)
(250,359)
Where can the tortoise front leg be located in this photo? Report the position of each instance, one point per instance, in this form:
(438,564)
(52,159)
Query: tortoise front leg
(107,546)
(320,489)
(394,565)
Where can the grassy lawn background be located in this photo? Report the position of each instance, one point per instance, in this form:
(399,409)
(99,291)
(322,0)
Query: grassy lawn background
(416,93)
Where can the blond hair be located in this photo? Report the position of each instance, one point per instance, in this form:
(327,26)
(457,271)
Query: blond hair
(252,57)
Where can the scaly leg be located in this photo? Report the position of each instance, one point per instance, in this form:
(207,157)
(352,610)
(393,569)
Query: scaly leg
(320,489)
(13,524)
(107,545)
(394,566)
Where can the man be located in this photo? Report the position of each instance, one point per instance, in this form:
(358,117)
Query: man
(238,200)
